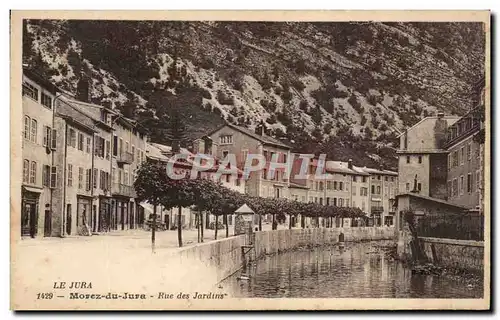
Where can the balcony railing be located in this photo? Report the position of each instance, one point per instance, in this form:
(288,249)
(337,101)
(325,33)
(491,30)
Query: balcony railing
(123,190)
(125,157)
(377,209)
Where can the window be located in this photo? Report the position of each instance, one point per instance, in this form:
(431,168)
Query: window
(364,179)
(224,154)
(26,171)
(321,186)
(316,186)
(46,136)
(70,175)
(378,177)
(419,159)
(108,147)
(27,127)
(407,186)
(462,187)
(226,139)
(469,182)
(373,189)
(378,189)
(478,180)
(115,146)
(34,130)
(46,176)
(30,91)
(450,193)
(95,177)
(53,177)
(386,178)
(407,159)
(419,186)
(120,146)
(80,178)
(321,201)
(455,159)
(354,178)
(132,151)
(329,185)
(392,179)
(341,202)
(450,161)
(361,192)
(334,185)
(462,155)
(455,187)
(33,172)
(126,146)
(80,141)
(88,146)
(347,202)
(72,138)
(46,100)
(88,176)
(335,201)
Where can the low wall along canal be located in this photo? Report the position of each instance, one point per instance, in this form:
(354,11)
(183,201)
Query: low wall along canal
(225,255)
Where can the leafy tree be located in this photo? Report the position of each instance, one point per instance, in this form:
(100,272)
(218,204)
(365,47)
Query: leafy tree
(149,186)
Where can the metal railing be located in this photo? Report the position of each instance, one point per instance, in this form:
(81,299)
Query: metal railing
(125,157)
(460,227)
(123,190)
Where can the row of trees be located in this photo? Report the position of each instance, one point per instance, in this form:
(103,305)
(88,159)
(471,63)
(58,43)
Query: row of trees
(204,195)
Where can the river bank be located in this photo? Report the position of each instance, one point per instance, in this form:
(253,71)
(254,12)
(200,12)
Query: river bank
(351,270)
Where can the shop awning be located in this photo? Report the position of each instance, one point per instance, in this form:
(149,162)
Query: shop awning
(32,189)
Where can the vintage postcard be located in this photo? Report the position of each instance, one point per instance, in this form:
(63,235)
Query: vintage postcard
(239,160)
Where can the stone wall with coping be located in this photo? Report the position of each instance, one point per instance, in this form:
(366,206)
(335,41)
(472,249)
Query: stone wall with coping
(271,242)
(451,253)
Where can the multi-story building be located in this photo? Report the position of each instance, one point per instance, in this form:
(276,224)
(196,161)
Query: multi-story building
(423,157)
(466,157)
(162,153)
(383,190)
(231,139)
(128,152)
(98,145)
(40,175)
(73,194)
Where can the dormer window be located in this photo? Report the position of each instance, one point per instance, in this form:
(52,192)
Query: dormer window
(46,100)
(226,139)
(30,91)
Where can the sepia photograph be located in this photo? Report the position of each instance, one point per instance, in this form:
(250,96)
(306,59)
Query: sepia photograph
(246,160)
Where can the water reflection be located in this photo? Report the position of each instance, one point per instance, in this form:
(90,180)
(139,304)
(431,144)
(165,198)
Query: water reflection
(357,271)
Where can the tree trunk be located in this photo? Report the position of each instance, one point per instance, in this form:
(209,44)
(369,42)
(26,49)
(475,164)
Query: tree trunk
(216,222)
(179,226)
(153,227)
(198,216)
(202,226)
(260,222)
(290,223)
(227,227)
(274,226)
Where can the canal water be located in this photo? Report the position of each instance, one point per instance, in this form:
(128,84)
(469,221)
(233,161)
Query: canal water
(359,270)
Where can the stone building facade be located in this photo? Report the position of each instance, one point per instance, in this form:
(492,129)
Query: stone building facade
(40,176)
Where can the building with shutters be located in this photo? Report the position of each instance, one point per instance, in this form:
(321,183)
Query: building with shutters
(39,173)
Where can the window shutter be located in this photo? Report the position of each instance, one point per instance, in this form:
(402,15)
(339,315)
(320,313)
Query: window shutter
(53,139)
(53,177)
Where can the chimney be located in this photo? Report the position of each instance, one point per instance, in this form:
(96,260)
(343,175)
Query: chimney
(260,129)
(208,145)
(440,129)
(440,115)
(349,163)
(83,88)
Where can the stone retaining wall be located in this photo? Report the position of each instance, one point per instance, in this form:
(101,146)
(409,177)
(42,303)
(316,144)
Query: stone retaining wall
(224,257)
(271,242)
(461,254)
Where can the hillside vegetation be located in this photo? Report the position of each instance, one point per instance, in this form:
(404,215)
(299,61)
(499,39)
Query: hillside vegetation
(346,89)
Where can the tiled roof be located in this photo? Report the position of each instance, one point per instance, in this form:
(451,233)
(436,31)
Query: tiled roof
(264,139)
(68,111)
(421,196)
(382,172)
